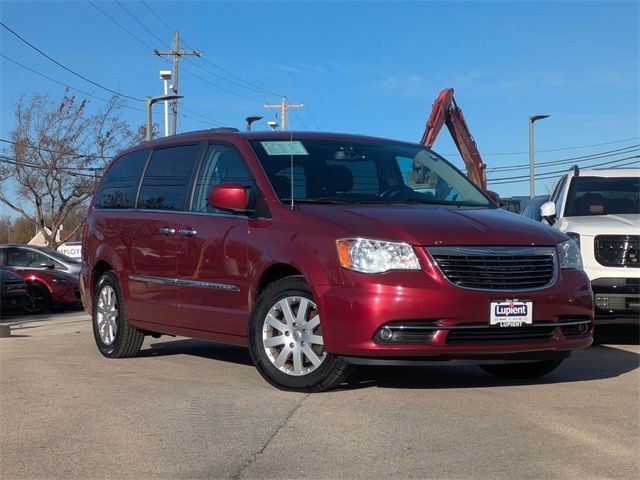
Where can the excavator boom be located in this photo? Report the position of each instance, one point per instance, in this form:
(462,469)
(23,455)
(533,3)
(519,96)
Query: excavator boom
(445,111)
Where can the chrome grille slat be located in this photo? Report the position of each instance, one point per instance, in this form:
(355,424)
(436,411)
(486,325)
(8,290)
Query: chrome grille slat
(496,268)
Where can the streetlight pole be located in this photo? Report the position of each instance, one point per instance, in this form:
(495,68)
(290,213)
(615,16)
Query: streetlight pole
(150,101)
(532,180)
(165,76)
(250,119)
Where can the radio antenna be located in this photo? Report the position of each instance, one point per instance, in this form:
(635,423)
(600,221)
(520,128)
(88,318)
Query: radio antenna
(291,147)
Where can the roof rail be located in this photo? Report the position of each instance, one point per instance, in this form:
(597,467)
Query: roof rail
(576,170)
(224,130)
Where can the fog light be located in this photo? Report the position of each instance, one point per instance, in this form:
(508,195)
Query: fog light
(583,328)
(386,334)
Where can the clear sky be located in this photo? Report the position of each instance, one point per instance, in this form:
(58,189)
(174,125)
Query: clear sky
(361,67)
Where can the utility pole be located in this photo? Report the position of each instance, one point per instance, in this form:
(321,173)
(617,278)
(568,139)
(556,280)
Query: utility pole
(284,106)
(176,52)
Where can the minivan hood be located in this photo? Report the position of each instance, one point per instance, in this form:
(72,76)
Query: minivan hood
(437,224)
(592,225)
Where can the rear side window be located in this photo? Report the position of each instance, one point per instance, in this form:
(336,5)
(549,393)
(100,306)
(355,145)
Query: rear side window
(120,185)
(165,183)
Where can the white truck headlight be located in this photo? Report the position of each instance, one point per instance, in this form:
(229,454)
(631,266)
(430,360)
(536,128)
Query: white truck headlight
(569,253)
(376,256)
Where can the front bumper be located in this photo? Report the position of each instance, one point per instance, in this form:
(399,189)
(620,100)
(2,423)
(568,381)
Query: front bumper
(353,313)
(617,300)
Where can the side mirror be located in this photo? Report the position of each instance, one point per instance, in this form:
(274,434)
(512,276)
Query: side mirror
(548,212)
(493,196)
(229,196)
(48,266)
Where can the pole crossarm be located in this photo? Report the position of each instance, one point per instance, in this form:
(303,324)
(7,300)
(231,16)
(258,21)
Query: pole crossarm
(284,106)
(177,53)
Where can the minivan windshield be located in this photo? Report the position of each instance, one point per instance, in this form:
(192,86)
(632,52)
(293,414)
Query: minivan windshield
(603,196)
(363,171)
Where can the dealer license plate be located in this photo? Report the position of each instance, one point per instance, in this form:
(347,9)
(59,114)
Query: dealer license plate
(511,313)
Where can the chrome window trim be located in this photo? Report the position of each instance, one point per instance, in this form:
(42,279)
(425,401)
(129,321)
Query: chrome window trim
(480,251)
(184,283)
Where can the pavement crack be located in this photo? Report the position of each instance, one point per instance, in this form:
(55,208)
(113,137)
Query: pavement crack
(252,459)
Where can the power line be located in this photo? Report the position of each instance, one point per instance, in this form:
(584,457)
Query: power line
(140,23)
(68,170)
(542,176)
(553,149)
(312,117)
(42,149)
(120,25)
(67,68)
(157,16)
(583,158)
(66,85)
(251,86)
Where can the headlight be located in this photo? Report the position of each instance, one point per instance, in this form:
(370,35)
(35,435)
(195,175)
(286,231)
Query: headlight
(376,256)
(569,253)
(575,236)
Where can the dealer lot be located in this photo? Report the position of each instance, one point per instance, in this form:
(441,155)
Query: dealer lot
(192,409)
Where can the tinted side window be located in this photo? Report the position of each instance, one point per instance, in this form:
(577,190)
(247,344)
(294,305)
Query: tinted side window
(120,186)
(221,165)
(26,258)
(165,183)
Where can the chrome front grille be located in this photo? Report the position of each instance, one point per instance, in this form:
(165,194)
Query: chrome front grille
(618,250)
(496,268)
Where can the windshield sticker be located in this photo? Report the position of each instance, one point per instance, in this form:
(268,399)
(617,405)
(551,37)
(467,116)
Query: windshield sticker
(284,148)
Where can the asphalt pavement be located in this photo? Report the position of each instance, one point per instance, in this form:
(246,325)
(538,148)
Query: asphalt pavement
(189,409)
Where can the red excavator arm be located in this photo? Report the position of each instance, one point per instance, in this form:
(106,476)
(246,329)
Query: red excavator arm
(446,111)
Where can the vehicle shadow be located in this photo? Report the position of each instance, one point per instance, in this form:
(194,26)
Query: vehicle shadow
(199,348)
(617,334)
(594,363)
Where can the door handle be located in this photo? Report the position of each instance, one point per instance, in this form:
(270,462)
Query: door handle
(187,232)
(168,231)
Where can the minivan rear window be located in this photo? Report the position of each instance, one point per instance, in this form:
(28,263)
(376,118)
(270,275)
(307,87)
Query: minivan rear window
(165,183)
(120,184)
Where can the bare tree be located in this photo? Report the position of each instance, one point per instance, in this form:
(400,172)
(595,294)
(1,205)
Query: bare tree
(57,152)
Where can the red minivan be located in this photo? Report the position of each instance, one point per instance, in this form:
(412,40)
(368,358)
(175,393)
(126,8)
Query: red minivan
(323,251)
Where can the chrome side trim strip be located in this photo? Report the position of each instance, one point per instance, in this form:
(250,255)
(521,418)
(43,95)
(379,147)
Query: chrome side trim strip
(184,283)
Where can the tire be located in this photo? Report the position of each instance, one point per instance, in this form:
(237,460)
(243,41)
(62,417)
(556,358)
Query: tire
(522,370)
(38,299)
(114,337)
(285,340)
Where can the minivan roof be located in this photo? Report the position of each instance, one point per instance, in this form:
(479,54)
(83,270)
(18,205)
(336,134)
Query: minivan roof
(226,132)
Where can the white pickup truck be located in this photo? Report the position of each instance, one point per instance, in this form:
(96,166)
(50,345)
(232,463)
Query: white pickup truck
(600,209)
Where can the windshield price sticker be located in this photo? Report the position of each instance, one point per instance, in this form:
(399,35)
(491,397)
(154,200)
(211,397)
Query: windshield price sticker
(284,148)
(511,313)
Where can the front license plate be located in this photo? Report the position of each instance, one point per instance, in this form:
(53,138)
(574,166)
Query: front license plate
(511,313)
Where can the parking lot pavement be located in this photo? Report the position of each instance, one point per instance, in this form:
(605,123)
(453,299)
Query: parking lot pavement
(191,409)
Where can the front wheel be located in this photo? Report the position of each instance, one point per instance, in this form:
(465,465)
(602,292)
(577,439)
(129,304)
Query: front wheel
(522,370)
(114,337)
(286,342)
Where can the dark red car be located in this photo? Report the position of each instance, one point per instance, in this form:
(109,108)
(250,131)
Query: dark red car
(323,251)
(48,288)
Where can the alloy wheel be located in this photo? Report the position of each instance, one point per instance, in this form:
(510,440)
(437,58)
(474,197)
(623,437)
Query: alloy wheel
(292,336)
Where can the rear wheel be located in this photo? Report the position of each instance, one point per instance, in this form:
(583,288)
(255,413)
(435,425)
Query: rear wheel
(114,336)
(286,342)
(522,370)
(38,298)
